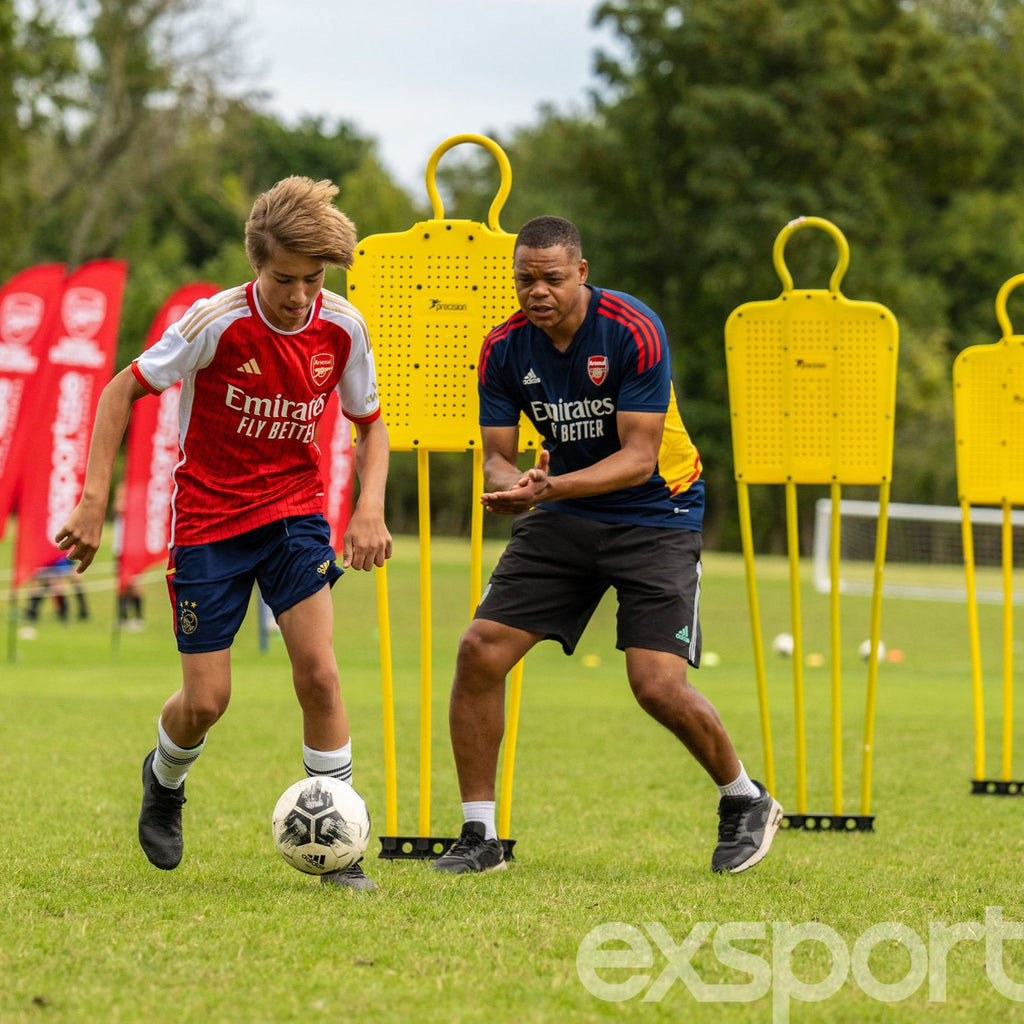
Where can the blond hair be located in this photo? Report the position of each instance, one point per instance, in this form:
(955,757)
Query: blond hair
(297,215)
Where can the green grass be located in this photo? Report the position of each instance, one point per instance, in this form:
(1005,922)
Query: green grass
(614,824)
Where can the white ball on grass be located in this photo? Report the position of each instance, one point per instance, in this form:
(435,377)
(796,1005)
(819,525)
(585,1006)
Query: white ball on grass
(783,644)
(865,650)
(320,824)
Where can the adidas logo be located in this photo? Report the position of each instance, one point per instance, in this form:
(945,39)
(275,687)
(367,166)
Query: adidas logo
(323,567)
(684,634)
(316,860)
(531,377)
(250,366)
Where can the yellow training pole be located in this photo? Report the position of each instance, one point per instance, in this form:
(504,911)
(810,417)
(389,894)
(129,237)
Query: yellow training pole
(874,632)
(796,618)
(515,695)
(515,700)
(974,639)
(835,655)
(476,533)
(426,650)
(387,685)
(760,675)
(508,758)
(1007,640)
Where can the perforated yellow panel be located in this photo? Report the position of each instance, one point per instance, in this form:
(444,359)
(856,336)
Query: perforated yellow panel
(812,386)
(430,295)
(988,409)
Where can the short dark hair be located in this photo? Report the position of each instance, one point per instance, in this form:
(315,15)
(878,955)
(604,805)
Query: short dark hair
(545,232)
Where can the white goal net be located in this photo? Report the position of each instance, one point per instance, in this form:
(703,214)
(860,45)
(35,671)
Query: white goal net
(924,550)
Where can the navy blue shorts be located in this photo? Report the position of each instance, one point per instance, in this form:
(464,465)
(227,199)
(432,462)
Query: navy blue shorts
(557,566)
(210,584)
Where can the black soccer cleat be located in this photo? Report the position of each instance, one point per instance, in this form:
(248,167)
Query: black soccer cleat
(352,877)
(471,852)
(160,819)
(746,828)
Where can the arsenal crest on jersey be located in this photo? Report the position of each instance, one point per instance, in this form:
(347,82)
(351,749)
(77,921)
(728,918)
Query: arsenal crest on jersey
(597,368)
(321,366)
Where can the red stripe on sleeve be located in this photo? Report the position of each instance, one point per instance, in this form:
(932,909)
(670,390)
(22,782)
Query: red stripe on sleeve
(142,380)
(499,332)
(642,328)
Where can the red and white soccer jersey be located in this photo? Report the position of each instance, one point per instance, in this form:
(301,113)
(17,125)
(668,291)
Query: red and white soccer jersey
(251,401)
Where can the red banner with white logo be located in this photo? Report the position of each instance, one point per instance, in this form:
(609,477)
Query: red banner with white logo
(29,303)
(337,468)
(77,364)
(143,506)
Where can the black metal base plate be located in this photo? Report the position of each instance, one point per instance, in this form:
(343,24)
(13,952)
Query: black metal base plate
(425,847)
(829,822)
(996,787)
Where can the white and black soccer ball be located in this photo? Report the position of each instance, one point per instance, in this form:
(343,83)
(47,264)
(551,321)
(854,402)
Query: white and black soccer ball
(320,824)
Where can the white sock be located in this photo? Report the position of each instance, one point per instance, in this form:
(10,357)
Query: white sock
(740,786)
(337,763)
(171,762)
(482,811)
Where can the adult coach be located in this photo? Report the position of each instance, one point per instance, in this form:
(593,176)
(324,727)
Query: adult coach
(615,500)
(258,364)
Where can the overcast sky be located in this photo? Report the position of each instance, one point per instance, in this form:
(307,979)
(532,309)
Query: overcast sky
(413,73)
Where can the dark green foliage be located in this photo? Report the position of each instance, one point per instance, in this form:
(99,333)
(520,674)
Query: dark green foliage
(715,123)
(724,119)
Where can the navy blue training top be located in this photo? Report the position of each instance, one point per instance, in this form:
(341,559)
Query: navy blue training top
(618,360)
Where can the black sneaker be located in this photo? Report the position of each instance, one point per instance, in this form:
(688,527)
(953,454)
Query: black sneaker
(746,828)
(351,877)
(160,819)
(471,852)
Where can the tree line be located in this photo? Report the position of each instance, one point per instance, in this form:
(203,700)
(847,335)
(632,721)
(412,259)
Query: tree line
(713,124)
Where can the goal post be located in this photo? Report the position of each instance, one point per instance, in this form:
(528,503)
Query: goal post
(925,554)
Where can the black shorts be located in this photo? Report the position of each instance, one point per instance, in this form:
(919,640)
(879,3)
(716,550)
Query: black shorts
(557,566)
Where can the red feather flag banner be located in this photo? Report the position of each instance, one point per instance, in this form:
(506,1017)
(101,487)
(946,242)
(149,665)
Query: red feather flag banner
(77,364)
(337,468)
(143,520)
(29,304)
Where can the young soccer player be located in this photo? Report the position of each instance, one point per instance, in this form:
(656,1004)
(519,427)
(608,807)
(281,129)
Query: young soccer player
(258,364)
(615,500)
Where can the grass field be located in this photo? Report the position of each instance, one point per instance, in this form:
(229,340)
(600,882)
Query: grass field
(614,824)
